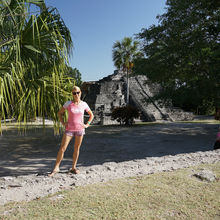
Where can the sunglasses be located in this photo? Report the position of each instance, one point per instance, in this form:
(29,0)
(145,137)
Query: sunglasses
(74,93)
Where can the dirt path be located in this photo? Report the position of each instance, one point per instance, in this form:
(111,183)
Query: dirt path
(106,153)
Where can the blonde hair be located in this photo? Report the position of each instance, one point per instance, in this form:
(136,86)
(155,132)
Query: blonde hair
(76,88)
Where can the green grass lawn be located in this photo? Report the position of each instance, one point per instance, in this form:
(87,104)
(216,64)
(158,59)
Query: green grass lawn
(167,195)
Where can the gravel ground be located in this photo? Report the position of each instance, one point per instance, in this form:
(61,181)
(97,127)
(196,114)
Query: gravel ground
(107,153)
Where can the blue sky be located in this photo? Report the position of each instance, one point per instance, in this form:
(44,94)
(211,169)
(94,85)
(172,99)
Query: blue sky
(96,24)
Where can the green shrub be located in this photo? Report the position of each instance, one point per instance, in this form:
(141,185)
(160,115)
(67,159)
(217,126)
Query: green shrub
(125,114)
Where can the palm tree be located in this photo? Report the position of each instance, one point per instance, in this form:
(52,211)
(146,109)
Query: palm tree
(34,51)
(123,54)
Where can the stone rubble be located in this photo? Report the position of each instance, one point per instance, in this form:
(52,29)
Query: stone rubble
(34,186)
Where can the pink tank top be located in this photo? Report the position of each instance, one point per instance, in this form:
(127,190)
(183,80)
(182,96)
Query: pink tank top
(76,115)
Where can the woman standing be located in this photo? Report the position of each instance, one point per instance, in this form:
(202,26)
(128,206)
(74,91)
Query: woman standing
(74,127)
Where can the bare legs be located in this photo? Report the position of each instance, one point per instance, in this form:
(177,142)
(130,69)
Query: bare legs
(77,144)
(64,144)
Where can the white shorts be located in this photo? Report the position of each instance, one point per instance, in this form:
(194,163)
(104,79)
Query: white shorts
(75,133)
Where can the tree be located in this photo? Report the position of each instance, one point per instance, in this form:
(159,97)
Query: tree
(182,53)
(34,50)
(75,74)
(125,114)
(123,54)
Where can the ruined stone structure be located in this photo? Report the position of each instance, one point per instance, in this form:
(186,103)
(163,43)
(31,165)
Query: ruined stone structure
(110,92)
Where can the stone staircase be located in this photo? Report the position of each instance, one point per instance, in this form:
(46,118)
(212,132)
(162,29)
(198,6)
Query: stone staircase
(142,92)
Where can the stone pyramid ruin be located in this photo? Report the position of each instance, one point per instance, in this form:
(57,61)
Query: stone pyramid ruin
(110,92)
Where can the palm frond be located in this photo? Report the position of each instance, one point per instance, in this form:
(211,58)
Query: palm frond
(33,59)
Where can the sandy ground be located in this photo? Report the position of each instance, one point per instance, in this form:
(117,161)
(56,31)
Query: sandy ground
(107,153)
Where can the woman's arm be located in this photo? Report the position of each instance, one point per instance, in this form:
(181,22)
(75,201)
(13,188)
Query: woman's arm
(91,116)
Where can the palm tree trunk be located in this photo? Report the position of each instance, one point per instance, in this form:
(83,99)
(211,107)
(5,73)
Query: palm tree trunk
(127,101)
